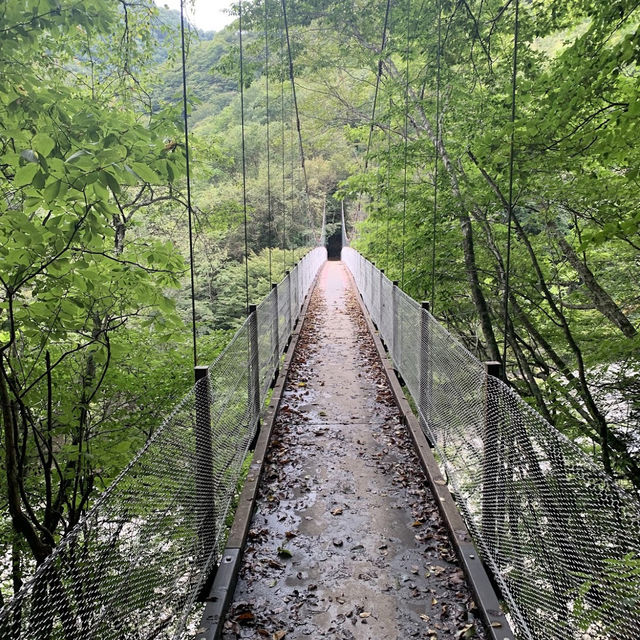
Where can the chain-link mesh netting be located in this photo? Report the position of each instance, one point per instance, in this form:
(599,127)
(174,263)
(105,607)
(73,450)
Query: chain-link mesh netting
(560,537)
(134,566)
(268,350)
(284,314)
(294,293)
(385,320)
(375,293)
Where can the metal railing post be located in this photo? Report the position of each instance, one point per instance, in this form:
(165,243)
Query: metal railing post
(204,474)
(371,279)
(301,281)
(254,367)
(426,371)
(295,292)
(275,330)
(380,303)
(394,319)
(363,269)
(292,296)
(373,291)
(490,487)
(289,321)
(365,282)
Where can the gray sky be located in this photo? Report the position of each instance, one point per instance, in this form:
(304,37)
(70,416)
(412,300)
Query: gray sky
(208,15)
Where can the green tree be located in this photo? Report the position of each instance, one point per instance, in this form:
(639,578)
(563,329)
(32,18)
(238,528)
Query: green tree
(81,159)
(571,331)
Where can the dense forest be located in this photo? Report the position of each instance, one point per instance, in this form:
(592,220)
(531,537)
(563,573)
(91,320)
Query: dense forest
(423,134)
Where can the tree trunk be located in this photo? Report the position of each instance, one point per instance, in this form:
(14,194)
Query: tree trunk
(20,521)
(594,421)
(476,290)
(601,299)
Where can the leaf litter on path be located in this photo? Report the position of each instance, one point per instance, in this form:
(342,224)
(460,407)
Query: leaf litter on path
(367,555)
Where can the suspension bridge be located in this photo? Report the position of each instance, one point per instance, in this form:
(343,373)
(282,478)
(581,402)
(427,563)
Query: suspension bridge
(540,533)
(347,469)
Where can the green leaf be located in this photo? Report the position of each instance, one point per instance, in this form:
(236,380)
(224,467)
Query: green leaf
(51,191)
(43,144)
(108,180)
(145,172)
(25,175)
(100,190)
(32,204)
(68,307)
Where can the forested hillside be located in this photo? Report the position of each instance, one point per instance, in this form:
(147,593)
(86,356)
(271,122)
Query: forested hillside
(93,347)
(428,198)
(94,279)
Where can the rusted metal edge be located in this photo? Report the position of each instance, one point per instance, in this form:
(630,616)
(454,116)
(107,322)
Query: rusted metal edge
(224,584)
(486,598)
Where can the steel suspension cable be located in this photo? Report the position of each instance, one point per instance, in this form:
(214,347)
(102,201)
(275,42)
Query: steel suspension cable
(297,114)
(282,112)
(292,194)
(244,163)
(387,199)
(514,87)
(435,163)
(406,143)
(266,73)
(188,176)
(378,77)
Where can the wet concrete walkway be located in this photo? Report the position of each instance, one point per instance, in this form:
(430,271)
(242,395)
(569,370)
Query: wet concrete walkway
(346,541)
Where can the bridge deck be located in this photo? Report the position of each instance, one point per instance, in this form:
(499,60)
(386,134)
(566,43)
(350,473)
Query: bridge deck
(346,540)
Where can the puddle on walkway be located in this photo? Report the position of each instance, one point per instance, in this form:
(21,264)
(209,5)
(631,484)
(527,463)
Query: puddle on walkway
(346,541)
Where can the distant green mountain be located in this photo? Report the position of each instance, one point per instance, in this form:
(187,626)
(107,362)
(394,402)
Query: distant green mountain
(211,90)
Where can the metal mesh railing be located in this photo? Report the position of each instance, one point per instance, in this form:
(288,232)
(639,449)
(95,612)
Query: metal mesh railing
(561,538)
(134,566)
